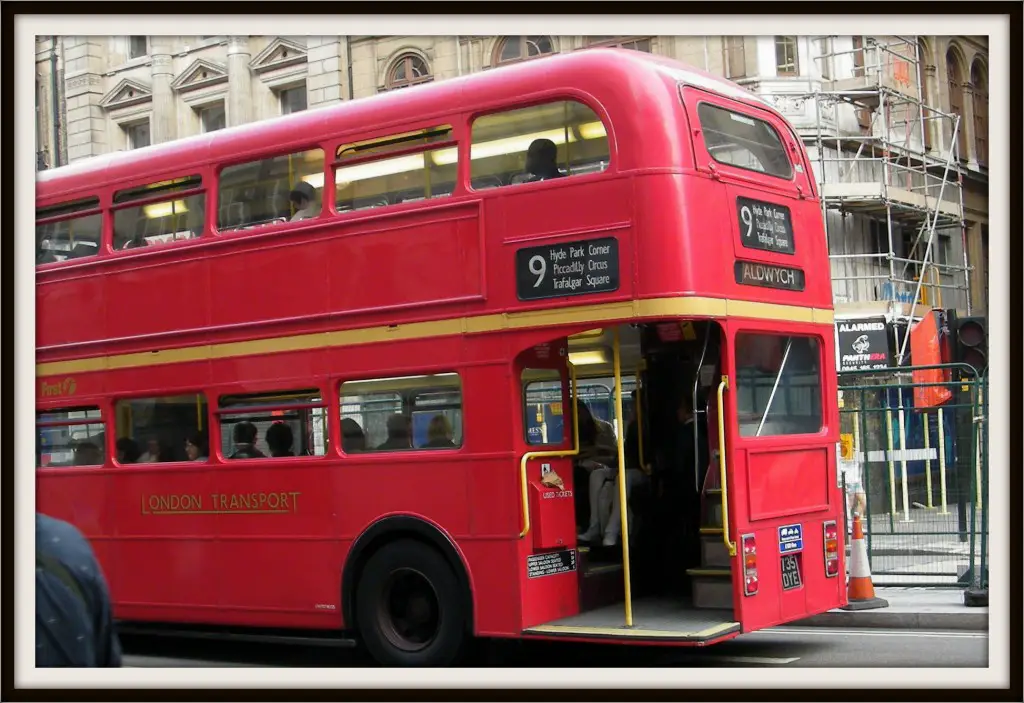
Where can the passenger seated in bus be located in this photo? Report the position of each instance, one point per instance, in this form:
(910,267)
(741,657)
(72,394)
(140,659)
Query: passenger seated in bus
(88,454)
(352,437)
(598,453)
(399,433)
(154,452)
(636,475)
(439,434)
(196,447)
(279,439)
(128,451)
(542,160)
(303,199)
(244,436)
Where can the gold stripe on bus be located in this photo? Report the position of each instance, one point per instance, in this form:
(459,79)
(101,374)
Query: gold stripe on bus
(477,324)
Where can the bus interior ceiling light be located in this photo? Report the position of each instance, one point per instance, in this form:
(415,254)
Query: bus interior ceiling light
(589,357)
(158,210)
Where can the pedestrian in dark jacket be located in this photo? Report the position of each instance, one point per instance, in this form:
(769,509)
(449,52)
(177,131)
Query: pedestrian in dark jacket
(74,617)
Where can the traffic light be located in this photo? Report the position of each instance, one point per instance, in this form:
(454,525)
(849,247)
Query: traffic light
(970,342)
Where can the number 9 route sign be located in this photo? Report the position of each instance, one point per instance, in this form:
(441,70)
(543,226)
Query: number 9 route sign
(571,268)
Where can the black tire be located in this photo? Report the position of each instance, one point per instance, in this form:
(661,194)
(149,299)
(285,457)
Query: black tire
(410,607)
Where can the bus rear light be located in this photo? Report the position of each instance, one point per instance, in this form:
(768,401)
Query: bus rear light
(750,583)
(831,548)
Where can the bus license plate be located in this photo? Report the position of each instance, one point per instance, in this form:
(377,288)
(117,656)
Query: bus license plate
(790,572)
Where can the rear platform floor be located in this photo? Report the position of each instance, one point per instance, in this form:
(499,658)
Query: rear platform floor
(658,619)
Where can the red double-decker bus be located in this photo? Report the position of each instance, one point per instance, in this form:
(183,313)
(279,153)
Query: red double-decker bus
(543,352)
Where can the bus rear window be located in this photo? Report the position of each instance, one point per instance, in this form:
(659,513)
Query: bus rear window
(778,384)
(743,141)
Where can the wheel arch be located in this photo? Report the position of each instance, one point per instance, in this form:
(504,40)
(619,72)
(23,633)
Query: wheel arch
(390,529)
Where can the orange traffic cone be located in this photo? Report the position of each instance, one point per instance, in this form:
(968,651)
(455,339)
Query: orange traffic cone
(860,590)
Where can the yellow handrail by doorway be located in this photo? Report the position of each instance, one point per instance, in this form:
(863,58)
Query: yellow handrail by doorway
(729,544)
(523,483)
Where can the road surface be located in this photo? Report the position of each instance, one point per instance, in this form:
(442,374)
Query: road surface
(784,646)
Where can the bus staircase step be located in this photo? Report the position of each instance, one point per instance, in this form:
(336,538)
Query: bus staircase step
(713,552)
(712,587)
(600,579)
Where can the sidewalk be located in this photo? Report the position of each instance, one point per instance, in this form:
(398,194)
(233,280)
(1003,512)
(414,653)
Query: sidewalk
(909,608)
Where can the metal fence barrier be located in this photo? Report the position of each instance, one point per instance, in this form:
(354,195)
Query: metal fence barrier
(915,461)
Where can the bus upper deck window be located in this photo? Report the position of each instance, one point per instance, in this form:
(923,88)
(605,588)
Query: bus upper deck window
(743,141)
(271,190)
(541,142)
(178,215)
(370,174)
(62,234)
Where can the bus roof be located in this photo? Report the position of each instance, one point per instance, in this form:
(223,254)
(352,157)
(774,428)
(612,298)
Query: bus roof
(571,69)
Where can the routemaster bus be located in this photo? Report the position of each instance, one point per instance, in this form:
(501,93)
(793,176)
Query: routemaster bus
(540,352)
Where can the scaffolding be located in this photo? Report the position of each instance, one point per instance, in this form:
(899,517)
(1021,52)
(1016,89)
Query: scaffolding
(882,153)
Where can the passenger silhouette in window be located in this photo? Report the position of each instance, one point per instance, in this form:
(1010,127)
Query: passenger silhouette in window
(439,433)
(399,433)
(352,437)
(244,436)
(303,198)
(542,160)
(279,439)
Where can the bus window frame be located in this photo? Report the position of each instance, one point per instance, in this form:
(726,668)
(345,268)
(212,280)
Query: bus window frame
(458,140)
(400,376)
(794,440)
(203,188)
(148,395)
(783,135)
(101,208)
(79,405)
(214,199)
(566,400)
(535,100)
(218,411)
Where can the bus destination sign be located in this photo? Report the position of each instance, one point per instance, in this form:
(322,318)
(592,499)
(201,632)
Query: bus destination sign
(765,226)
(752,273)
(573,268)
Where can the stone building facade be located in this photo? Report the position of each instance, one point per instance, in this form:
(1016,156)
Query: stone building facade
(101,94)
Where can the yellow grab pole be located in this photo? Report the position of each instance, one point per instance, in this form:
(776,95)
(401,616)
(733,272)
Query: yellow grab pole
(623,507)
(723,386)
(199,412)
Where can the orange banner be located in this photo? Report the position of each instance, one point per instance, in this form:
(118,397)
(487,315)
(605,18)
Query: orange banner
(924,348)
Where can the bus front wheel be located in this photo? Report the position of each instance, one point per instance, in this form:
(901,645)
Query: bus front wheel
(408,608)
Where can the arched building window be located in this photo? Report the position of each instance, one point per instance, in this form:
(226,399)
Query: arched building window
(955,85)
(408,69)
(512,49)
(979,79)
(634,43)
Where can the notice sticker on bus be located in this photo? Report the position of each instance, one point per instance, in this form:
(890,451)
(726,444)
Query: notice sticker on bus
(765,226)
(791,539)
(573,268)
(549,564)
